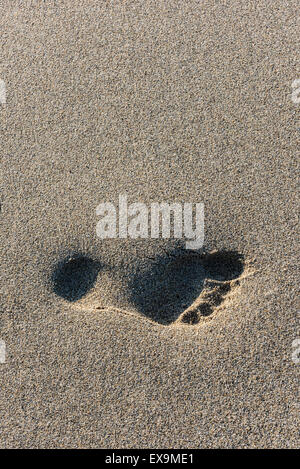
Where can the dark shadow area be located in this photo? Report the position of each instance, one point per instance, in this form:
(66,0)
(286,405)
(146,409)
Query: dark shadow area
(173,282)
(191,318)
(73,277)
(210,300)
(223,265)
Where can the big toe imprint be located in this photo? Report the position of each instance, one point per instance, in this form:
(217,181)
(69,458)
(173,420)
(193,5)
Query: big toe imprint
(180,288)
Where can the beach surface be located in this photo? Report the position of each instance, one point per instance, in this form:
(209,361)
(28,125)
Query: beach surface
(141,343)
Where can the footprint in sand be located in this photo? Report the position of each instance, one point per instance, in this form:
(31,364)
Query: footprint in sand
(180,287)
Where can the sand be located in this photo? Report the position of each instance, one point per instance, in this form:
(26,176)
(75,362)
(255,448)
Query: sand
(165,101)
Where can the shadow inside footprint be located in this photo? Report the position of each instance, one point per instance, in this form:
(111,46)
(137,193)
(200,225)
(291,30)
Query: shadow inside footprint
(165,289)
(73,277)
(172,284)
(223,265)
